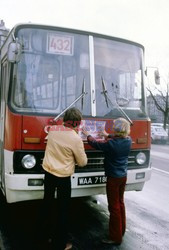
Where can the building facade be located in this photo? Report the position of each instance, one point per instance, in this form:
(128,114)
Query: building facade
(3,32)
(155,114)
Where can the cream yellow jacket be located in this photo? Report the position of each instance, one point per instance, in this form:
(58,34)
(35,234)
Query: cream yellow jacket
(64,148)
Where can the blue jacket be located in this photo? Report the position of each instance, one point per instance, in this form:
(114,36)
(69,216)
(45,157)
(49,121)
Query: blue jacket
(116,152)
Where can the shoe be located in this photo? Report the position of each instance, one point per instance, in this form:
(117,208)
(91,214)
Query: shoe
(68,246)
(107,241)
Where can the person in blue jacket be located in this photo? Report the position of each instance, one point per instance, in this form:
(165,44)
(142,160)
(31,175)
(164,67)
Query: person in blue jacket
(116,149)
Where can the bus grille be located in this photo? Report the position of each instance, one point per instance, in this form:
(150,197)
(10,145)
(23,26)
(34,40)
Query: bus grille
(95,161)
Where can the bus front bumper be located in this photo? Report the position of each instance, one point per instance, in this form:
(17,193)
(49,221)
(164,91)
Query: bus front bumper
(20,187)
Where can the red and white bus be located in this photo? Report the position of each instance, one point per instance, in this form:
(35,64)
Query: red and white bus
(44,71)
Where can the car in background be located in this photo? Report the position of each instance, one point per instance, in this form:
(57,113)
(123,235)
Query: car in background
(158,133)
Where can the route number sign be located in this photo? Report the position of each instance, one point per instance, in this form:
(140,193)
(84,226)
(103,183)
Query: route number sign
(60,44)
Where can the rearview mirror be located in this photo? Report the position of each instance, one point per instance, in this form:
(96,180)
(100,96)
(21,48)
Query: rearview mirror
(14,52)
(157,76)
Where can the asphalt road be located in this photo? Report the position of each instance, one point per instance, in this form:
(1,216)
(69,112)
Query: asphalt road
(160,157)
(147,217)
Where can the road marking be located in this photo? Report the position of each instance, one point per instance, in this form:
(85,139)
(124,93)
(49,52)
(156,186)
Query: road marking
(160,154)
(162,171)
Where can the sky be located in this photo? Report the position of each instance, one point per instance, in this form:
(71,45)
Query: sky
(142,21)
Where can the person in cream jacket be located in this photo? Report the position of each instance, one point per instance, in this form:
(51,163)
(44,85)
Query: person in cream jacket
(64,149)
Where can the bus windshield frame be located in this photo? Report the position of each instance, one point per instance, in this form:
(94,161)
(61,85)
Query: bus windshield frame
(55,62)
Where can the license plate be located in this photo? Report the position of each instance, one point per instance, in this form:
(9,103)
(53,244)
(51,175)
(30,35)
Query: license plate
(92,180)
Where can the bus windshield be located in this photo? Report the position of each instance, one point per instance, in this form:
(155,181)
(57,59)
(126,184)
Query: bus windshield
(120,66)
(55,63)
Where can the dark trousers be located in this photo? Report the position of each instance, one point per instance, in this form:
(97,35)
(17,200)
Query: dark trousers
(61,215)
(115,195)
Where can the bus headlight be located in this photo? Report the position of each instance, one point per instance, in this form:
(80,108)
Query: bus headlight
(28,161)
(140,158)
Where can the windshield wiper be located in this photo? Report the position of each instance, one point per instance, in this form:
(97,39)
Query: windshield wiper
(104,92)
(83,93)
(81,96)
(108,100)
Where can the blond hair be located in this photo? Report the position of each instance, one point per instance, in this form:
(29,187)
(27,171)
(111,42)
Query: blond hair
(121,127)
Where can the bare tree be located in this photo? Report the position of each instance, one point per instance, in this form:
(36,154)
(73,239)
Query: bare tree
(160,96)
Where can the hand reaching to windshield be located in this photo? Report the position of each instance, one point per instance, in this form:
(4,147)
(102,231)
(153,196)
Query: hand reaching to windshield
(103,133)
(85,132)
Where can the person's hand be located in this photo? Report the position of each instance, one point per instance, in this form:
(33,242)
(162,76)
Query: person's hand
(85,132)
(103,133)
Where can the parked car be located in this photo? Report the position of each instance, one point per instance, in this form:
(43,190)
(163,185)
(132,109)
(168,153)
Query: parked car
(158,133)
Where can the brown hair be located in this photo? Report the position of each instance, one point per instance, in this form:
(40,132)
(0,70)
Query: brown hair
(72,117)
